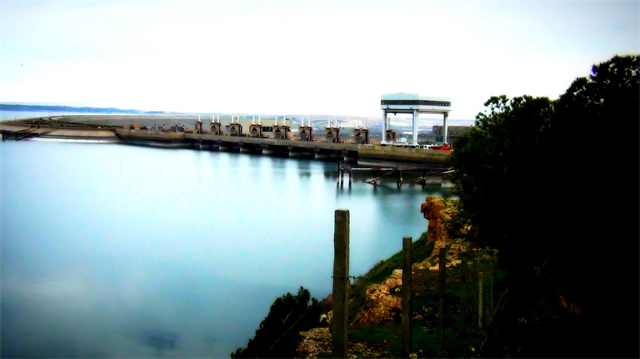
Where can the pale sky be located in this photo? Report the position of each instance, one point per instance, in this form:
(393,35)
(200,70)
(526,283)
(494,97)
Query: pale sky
(305,57)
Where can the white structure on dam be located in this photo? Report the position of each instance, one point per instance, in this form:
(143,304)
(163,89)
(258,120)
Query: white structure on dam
(414,104)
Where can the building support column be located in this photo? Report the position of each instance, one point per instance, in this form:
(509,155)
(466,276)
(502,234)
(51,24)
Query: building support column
(384,127)
(444,128)
(414,123)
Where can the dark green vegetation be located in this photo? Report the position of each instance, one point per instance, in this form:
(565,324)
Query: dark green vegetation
(495,159)
(526,177)
(387,339)
(277,335)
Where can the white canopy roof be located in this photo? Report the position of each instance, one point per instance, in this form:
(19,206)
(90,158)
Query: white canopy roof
(401,102)
(412,96)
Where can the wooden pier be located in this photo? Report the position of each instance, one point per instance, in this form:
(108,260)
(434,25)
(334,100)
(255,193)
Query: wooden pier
(425,171)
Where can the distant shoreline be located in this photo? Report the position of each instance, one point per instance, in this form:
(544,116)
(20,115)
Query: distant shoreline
(58,108)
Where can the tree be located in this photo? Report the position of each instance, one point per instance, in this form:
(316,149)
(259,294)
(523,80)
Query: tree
(527,176)
(498,171)
(610,92)
(276,337)
(596,249)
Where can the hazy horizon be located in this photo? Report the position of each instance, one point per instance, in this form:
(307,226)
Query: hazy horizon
(424,118)
(307,57)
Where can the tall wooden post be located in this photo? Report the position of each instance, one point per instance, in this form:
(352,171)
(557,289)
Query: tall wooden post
(406,296)
(491,280)
(480,298)
(441,291)
(340,283)
(463,292)
(474,297)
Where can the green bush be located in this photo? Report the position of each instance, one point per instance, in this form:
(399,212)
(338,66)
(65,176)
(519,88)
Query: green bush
(276,337)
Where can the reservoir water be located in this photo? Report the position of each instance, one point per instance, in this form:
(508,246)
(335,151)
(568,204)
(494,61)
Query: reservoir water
(107,250)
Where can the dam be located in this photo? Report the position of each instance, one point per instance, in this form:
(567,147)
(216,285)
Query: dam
(191,134)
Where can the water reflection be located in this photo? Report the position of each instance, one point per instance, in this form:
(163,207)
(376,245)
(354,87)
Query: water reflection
(160,340)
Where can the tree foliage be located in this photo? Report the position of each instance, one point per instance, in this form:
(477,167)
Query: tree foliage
(497,165)
(609,93)
(527,153)
(535,182)
(276,337)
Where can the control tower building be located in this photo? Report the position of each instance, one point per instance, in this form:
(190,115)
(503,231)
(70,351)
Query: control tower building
(414,104)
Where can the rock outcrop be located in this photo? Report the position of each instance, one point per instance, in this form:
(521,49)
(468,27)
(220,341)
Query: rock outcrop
(382,302)
(437,211)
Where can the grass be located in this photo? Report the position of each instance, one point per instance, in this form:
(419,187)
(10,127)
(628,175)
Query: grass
(424,339)
(420,250)
(373,333)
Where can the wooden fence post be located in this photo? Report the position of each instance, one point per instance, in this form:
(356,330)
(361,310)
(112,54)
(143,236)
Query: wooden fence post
(491,280)
(480,298)
(406,296)
(441,291)
(340,283)
(474,298)
(463,291)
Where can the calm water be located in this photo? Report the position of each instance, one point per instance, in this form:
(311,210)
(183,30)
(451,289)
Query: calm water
(119,251)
